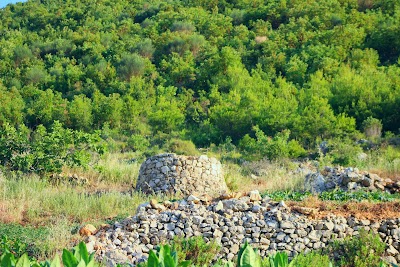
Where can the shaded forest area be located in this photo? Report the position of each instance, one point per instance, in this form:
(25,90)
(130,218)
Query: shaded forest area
(246,72)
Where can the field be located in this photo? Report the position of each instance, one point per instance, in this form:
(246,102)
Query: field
(46,214)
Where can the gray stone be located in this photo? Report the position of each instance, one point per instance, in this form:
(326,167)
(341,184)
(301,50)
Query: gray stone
(287,225)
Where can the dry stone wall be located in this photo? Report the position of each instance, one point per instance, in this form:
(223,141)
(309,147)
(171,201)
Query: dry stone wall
(270,226)
(171,174)
(348,179)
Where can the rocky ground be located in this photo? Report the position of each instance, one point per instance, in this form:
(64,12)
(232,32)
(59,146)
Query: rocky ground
(348,179)
(268,225)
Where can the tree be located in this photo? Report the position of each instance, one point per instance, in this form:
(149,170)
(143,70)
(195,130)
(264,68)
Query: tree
(80,113)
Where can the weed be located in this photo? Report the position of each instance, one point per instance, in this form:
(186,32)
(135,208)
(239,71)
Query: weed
(196,250)
(364,250)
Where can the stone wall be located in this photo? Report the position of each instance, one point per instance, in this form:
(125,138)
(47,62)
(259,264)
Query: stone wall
(348,179)
(185,175)
(270,226)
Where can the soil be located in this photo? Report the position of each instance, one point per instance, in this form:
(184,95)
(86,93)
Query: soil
(361,210)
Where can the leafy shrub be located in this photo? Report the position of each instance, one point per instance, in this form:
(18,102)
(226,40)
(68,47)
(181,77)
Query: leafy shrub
(196,250)
(43,151)
(364,250)
(138,143)
(181,147)
(335,195)
(276,147)
(344,152)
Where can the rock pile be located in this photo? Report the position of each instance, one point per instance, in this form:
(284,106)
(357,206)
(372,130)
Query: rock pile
(185,175)
(348,179)
(270,226)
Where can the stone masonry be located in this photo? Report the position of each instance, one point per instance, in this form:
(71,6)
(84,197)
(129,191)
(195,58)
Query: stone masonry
(348,179)
(184,175)
(268,225)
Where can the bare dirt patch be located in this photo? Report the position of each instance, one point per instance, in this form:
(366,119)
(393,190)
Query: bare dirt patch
(361,210)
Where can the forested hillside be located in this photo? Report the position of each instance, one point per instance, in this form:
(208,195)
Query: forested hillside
(203,70)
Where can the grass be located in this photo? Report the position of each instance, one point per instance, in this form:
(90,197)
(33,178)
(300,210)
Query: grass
(30,205)
(31,202)
(112,170)
(274,176)
(21,239)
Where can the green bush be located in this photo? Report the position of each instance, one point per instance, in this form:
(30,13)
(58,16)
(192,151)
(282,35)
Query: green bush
(364,250)
(344,152)
(45,151)
(196,250)
(165,257)
(276,147)
(181,147)
(138,142)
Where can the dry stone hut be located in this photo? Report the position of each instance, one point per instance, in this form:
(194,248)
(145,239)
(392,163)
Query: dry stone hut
(185,175)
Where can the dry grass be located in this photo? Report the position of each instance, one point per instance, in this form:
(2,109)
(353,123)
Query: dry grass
(272,176)
(31,201)
(115,171)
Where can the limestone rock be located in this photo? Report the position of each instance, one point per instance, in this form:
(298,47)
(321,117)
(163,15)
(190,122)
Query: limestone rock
(87,230)
(255,196)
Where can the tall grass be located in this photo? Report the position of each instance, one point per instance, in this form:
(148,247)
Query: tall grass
(275,176)
(32,201)
(112,170)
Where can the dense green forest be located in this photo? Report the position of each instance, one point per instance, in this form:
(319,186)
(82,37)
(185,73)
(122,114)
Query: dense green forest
(246,71)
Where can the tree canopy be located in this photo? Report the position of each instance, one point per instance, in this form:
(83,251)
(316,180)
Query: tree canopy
(209,70)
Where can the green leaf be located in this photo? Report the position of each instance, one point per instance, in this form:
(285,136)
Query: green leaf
(7,260)
(83,252)
(56,262)
(185,263)
(81,263)
(153,260)
(281,259)
(23,261)
(249,258)
(91,263)
(69,259)
(169,261)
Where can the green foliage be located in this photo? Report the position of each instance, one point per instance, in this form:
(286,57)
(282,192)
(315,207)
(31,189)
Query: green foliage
(18,240)
(138,143)
(364,250)
(372,128)
(248,257)
(311,259)
(196,250)
(79,256)
(280,259)
(181,147)
(43,151)
(335,195)
(277,147)
(340,195)
(344,152)
(316,70)
(165,257)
